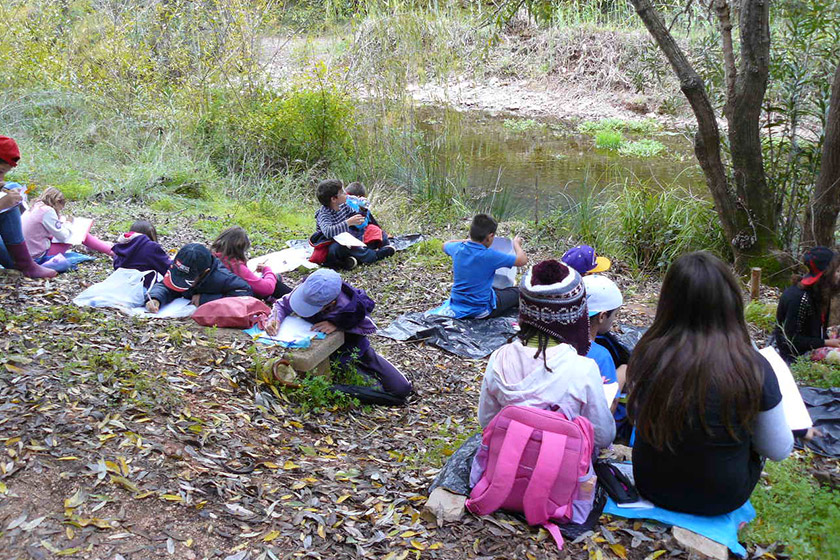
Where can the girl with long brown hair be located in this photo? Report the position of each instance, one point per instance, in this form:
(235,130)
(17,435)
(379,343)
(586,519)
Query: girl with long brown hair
(706,405)
(804,308)
(231,247)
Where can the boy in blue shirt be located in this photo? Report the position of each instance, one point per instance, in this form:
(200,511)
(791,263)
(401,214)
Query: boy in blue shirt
(474,264)
(603,298)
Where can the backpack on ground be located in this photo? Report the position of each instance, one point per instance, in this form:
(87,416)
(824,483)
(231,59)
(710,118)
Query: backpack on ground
(241,312)
(539,463)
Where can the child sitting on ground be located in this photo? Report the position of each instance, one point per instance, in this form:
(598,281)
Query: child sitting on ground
(583,259)
(474,264)
(372,234)
(197,275)
(335,217)
(43,222)
(13,250)
(329,303)
(138,249)
(603,299)
(231,247)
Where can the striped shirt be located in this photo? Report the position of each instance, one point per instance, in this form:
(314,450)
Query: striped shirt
(332,222)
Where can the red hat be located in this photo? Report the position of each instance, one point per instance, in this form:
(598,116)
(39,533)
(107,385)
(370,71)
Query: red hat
(9,151)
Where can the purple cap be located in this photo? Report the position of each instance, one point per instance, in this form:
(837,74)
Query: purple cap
(583,259)
(320,288)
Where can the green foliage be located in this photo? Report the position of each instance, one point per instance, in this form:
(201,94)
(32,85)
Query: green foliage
(521,125)
(641,148)
(75,191)
(793,509)
(761,315)
(647,225)
(609,140)
(430,253)
(815,374)
(315,394)
(644,126)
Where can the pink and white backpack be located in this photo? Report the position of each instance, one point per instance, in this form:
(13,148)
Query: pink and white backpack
(538,461)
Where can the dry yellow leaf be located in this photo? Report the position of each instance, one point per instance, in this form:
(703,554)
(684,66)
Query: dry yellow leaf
(271,536)
(288,465)
(418,545)
(619,550)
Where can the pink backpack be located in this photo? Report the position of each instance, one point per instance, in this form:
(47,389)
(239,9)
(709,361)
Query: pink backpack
(241,312)
(537,462)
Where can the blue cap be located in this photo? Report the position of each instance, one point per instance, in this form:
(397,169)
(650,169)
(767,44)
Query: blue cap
(583,259)
(319,289)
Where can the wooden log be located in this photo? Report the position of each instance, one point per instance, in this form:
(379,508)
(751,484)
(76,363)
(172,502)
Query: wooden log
(755,283)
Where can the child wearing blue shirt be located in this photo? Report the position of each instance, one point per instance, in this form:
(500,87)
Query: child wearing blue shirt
(603,298)
(474,264)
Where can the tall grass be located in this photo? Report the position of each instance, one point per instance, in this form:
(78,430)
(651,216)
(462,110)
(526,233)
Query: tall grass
(646,225)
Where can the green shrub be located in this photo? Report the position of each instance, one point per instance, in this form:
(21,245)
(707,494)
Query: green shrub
(641,148)
(609,140)
(619,125)
(75,191)
(815,374)
(791,508)
(761,315)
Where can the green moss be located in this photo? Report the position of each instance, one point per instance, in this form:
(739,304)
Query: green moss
(76,190)
(794,510)
(164,204)
(430,253)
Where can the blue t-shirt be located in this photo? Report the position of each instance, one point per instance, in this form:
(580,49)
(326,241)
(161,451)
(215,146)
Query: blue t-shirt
(473,267)
(605,362)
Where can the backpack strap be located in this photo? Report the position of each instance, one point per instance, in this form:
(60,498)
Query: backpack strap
(549,461)
(489,496)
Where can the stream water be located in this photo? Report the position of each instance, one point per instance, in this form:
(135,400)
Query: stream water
(533,166)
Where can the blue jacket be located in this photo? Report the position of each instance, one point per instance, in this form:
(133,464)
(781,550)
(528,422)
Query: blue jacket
(219,283)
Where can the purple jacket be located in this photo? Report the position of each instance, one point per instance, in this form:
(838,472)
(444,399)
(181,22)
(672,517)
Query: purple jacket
(350,313)
(138,252)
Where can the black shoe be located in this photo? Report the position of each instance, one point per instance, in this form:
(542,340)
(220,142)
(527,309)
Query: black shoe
(385,252)
(350,263)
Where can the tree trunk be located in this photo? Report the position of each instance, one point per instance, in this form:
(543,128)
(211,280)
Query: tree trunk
(821,214)
(743,115)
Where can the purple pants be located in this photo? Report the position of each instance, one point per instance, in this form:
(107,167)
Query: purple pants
(358,351)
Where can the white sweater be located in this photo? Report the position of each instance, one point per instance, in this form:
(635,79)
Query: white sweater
(573,386)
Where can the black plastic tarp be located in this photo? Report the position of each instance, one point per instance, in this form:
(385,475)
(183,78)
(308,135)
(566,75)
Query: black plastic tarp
(470,338)
(824,408)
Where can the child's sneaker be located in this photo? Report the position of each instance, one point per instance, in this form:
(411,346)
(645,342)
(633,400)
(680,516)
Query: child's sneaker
(350,263)
(385,252)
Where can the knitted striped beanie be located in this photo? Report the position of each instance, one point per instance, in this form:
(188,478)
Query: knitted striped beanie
(552,299)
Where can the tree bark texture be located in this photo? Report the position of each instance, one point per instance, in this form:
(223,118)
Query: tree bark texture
(821,214)
(744,131)
(707,138)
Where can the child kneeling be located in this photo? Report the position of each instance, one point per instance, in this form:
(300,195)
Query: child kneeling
(331,304)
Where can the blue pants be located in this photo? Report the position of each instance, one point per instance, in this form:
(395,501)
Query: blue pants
(11,233)
(338,253)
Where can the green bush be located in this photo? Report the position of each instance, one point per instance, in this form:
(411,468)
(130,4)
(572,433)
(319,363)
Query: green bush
(761,315)
(641,148)
(75,191)
(815,374)
(609,140)
(791,508)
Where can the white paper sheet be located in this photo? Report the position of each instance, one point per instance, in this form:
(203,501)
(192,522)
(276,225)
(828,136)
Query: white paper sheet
(610,391)
(176,309)
(80,228)
(283,261)
(795,410)
(504,277)
(346,238)
(294,329)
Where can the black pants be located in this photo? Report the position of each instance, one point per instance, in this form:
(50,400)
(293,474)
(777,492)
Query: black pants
(280,289)
(506,299)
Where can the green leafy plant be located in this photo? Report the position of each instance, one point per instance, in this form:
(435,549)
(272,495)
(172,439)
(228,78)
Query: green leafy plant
(609,140)
(761,315)
(642,148)
(815,374)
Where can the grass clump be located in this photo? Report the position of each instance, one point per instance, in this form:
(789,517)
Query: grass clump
(644,126)
(793,509)
(521,125)
(815,374)
(609,140)
(76,190)
(761,315)
(641,148)
(430,253)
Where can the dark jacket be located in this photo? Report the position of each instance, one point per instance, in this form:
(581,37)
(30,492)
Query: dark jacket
(138,252)
(217,284)
(800,326)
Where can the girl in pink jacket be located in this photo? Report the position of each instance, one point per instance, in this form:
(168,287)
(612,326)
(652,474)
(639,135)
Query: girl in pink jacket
(231,247)
(47,233)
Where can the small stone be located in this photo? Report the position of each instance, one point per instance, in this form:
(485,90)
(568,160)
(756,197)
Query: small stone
(700,545)
(445,505)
